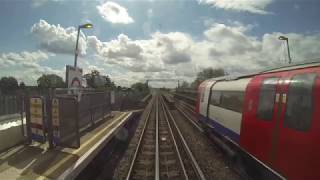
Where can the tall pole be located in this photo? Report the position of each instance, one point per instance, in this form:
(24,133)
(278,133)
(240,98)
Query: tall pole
(76,52)
(288,51)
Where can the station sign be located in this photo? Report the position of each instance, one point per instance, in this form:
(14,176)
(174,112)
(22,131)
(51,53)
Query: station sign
(73,77)
(55,120)
(36,119)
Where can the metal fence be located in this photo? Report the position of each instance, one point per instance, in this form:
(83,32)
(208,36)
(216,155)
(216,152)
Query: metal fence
(10,105)
(93,107)
(64,116)
(125,100)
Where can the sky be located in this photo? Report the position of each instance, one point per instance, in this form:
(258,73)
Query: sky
(135,40)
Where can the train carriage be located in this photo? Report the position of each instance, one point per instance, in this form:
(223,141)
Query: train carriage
(272,115)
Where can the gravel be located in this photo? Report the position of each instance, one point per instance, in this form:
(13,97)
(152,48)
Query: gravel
(209,157)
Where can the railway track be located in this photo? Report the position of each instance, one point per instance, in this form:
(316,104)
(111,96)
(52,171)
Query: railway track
(162,152)
(189,113)
(142,165)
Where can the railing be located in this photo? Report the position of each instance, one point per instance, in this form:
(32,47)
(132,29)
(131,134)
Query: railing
(60,118)
(9,105)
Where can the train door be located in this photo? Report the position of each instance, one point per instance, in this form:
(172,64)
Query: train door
(295,152)
(204,98)
(260,122)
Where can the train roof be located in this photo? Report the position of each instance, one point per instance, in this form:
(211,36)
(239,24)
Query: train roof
(278,69)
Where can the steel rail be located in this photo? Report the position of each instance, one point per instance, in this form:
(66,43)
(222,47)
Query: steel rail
(157,167)
(186,147)
(189,119)
(174,141)
(188,106)
(139,142)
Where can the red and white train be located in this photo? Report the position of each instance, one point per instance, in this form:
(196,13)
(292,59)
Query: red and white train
(273,116)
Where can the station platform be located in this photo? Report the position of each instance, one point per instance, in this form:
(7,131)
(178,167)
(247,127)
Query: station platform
(37,162)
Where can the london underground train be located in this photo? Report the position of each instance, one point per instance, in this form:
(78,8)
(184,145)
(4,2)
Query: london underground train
(273,116)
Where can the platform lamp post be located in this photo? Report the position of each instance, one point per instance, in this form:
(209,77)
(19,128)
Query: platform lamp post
(85,26)
(283,38)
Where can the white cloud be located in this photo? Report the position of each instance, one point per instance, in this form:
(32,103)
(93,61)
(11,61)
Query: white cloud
(114,13)
(8,59)
(57,39)
(38,3)
(177,55)
(252,6)
(25,66)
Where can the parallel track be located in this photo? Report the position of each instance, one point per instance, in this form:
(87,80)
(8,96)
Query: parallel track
(142,164)
(162,152)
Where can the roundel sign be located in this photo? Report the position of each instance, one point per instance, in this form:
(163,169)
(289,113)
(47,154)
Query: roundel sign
(73,76)
(75,82)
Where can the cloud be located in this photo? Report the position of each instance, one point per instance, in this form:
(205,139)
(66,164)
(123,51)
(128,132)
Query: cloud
(38,3)
(8,59)
(252,6)
(149,55)
(178,55)
(25,66)
(114,13)
(175,54)
(57,39)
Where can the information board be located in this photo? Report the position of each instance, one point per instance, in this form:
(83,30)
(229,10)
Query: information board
(55,121)
(36,119)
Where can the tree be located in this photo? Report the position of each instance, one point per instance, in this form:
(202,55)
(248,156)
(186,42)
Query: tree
(50,81)
(184,84)
(142,87)
(8,85)
(22,85)
(207,74)
(98,81)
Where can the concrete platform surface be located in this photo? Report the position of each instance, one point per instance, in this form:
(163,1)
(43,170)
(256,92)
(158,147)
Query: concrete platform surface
(36,162)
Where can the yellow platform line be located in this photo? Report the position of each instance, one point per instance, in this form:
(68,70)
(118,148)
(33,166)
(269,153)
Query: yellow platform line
(67,158)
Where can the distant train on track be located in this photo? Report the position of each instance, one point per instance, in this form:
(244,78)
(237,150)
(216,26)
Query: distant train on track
(273,116)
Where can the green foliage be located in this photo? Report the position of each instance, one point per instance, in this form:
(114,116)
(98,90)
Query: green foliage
(207,74)
(184,84)
(22,85)
(141,87)
(50,81)
(8,85)
(100,82)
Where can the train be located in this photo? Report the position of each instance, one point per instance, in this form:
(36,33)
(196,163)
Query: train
(272,116)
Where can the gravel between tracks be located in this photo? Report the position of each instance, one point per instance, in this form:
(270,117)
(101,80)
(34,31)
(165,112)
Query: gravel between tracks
(210,158)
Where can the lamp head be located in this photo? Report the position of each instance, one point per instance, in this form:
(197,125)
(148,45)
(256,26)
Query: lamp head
(87,26)
(282,38)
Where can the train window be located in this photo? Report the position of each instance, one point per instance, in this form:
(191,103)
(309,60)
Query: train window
(232,100)
(299,109)
(266,99)
(215,98)
(202,96)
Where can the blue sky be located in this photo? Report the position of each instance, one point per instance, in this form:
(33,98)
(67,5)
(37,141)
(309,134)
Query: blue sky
(138,39)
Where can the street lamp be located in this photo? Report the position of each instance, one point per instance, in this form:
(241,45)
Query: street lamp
(86,26)
(283,38)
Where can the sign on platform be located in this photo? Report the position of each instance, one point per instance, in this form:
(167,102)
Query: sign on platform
(55,120)
(36,119)
(73,77)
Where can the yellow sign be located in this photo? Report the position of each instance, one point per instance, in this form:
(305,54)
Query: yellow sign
(55,112)
(36,115)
